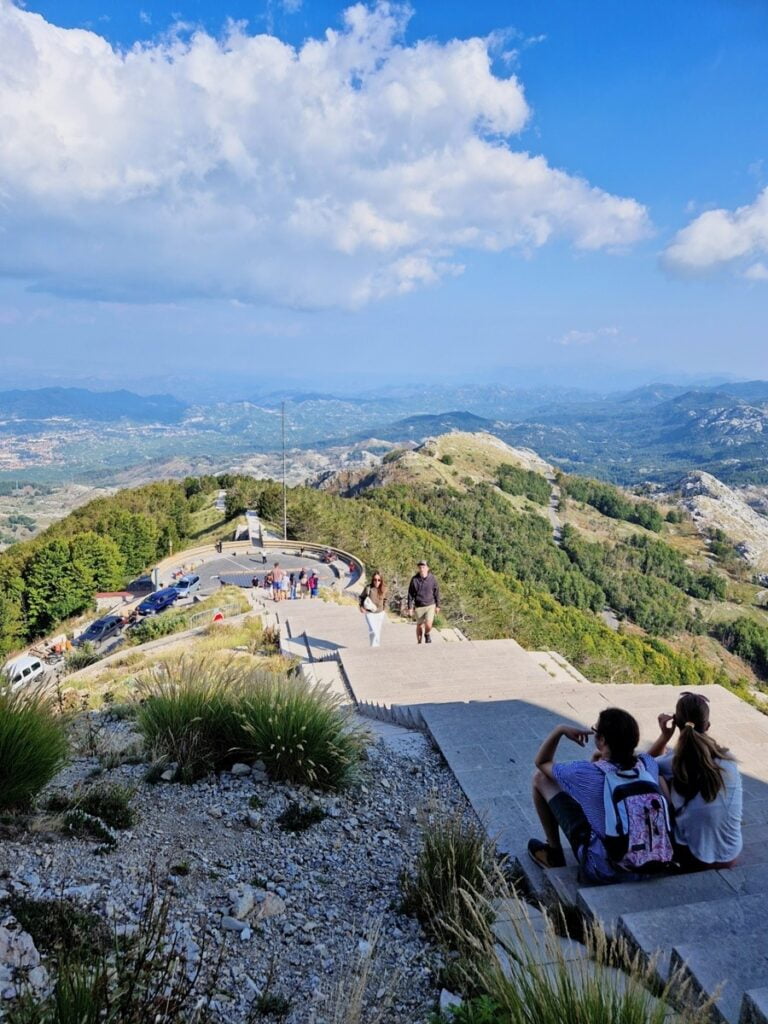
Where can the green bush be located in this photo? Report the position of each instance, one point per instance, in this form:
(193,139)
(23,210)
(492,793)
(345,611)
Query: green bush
(110,802)
(514,480)
(454,875)
(81,657)
(204,716)
(33,745)
(188,714)
(301,733)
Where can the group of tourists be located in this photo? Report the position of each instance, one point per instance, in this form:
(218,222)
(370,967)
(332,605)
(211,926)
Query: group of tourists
(422,604)
(291,585)
(628,816)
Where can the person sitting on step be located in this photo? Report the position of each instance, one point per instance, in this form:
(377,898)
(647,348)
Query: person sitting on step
(570,795)
(705,788)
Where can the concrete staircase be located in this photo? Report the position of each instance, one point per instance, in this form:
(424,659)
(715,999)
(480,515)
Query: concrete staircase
(487,705)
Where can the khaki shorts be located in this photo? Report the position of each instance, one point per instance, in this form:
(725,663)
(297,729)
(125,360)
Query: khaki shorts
(424,615)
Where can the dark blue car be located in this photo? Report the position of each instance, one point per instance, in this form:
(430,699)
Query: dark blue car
(158,602)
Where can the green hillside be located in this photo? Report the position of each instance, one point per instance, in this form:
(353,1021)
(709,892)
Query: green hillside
(501,572)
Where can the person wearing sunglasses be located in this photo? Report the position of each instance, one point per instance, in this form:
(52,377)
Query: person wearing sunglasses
(705,787)
(373,601)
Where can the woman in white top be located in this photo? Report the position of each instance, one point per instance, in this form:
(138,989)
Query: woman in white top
(705,788)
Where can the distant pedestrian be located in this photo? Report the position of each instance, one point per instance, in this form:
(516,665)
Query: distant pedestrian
(278,575)
(313,583)
(263,557)
(372,604)
(302,582)
(292,583)
(423,601)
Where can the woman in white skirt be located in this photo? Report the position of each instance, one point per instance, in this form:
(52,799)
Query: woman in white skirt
(372,604)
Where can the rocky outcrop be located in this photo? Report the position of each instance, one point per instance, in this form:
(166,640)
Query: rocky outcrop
(713,505)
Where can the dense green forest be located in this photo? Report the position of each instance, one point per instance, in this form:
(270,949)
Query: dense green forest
(611,501)
(514,480)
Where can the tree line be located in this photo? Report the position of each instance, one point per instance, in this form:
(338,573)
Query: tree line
(99,546)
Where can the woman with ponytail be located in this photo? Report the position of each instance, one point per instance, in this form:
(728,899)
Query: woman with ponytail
(705,788)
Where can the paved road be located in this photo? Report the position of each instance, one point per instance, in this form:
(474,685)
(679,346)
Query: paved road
(239,567)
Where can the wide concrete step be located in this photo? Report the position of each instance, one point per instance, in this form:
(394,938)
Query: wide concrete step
(558,668)
(608,903)
(754,1007)
(715,966)
(736,921)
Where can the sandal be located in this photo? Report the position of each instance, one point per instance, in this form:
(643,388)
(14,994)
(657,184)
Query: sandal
(544,855)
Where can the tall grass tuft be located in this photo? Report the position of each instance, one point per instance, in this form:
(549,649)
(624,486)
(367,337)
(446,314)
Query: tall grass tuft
(301,733)
(188,713)
(33,745)
(534,981)
(456,872)
(204,714)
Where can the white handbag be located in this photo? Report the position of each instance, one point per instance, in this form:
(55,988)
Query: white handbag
(369,605)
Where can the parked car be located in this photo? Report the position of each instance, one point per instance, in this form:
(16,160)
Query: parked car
(23,670)
(99,631)
(187,584)
(159,601)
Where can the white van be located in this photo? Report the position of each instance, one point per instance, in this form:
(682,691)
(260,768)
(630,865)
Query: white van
(187,585)
(23,670)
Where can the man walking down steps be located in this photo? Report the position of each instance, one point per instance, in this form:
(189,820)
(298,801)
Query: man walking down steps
(423,601)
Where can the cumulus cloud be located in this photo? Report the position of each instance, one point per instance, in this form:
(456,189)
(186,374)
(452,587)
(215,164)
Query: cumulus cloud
(347,169)
(588,337)
(720,238)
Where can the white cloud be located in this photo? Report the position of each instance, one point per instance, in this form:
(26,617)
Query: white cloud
(333,174)
(588,337)
(721,237)
(757,272)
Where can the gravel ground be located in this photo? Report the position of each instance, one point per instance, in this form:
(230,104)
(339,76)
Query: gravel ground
(290,913)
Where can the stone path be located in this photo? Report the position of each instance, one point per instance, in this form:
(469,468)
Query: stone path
(487,705)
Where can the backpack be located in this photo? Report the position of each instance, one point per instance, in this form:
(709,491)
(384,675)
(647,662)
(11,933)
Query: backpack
(638,836)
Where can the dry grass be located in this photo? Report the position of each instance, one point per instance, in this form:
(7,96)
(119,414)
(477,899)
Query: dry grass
(364,991)
(524,975)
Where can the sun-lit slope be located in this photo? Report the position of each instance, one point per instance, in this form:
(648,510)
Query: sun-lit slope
(457,460)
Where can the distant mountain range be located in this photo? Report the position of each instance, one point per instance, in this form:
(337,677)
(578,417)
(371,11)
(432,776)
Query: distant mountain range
(95,406)
(656,432)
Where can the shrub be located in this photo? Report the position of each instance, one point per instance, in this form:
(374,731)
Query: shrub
(110,802)
(33,746)
(301,733)
(204,716)
(296,818)
(122,981)
(82,657)
(188,715)
(453,876)
(61,924)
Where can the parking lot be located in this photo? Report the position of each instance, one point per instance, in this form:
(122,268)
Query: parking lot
(239,568)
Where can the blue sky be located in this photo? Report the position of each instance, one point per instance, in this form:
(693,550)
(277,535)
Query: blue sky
(586,202)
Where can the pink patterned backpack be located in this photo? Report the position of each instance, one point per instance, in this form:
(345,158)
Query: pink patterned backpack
(638,836)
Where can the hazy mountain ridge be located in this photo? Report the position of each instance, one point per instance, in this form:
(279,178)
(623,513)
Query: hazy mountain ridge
(83,404)
(656,432)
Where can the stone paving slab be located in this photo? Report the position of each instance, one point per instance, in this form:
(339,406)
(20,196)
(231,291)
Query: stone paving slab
(607,903)
(733,970)
(739,921)
(754,1007)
